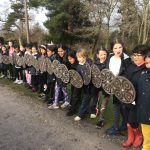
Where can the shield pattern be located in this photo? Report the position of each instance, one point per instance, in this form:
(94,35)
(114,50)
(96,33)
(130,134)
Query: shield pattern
(95,75)
(75,78)
(124,90)
(107,80)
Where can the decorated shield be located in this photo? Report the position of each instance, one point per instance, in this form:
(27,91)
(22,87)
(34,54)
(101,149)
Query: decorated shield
(56,68)
(107,80)
(75,78)
(86,73)
(123,90)
(28,59)
(64,73)
(43,64)
(35,64)
(95,75)
(5,59)
(49,66)
(19,60)
(0,58)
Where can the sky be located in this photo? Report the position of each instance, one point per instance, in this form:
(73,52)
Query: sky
(36,15)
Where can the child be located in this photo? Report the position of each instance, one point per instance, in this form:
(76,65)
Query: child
(143,104)
(86,96)
(33,72)
(117,62)
(49,93)
(101,63)
(133,73)
(59,85)
(75,92)
(18,69)
(4,67)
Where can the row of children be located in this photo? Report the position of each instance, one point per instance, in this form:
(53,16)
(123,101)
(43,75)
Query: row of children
(135,116)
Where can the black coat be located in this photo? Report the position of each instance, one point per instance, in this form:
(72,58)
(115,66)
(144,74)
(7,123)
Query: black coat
(143,103)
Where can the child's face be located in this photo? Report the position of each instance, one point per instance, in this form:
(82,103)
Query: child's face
(138,59)
(102,55)
(49,53)
(61,52)
(22,48)
(71,60)
(43,51)
(80,58)
(118,49)
(34,50)
(147,63)
(3,49)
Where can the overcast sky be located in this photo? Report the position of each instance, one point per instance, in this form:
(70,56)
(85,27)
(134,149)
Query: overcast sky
(35,15)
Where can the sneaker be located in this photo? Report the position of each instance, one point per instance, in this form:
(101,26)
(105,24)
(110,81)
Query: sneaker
(100,124)
(16,81)
(54,106)
(20,82)
(65,105)
(92,116)
(2,76)
(112,131)
(77,118)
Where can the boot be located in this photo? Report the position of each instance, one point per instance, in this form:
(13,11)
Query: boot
(138,137)
(130,135)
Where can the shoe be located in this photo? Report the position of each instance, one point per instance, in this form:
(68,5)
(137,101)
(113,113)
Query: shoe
(41,95)
(92,116)
(130,139)
(2,76)
(112,131)
(77,118)
(20,82)
(138,138)
(100,124)
(53,106)
(16,81)
(65,105)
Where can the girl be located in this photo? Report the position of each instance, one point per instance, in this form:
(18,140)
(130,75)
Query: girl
(33,72)
(133,73)
(101,63)
(49,93)
(117,62)
(18,69)
(59,85)
(143,103)
(42,75)
(86,96)
(75,92)
(4,67)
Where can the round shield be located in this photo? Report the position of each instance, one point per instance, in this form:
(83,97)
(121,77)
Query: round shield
(23,63)
(0,58)
(35,64)
(86,73)
(107,78)
(28,59)
(64,73)
(95,75)
(49,66)
(42,63)
(5,59)
(19,60)
(75,78)
(56,68)
(124,90)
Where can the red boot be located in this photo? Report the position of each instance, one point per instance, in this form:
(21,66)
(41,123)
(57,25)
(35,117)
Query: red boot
(138,137)
(130,138)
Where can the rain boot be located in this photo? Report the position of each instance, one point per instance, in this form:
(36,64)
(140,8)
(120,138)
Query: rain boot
(138,137)
(130,139)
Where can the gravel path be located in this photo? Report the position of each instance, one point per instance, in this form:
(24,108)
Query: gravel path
(27,124)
